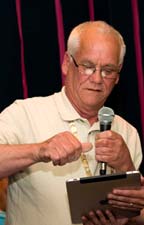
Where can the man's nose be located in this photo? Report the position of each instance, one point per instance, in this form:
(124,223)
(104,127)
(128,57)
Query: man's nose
(97,76)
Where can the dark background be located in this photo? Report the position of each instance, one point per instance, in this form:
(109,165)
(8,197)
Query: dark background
(42,56)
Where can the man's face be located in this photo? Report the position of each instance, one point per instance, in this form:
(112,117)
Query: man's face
(89,92)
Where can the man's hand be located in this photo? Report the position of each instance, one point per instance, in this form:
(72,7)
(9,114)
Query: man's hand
(61,149)
(128,199)
(98,218)
(111,148)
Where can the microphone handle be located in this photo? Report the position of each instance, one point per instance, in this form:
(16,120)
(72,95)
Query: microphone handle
(103,165)
(105,126)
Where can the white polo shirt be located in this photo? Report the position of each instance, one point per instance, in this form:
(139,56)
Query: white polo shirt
(37,195)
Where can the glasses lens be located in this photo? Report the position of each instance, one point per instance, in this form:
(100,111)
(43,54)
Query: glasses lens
(88,70)
(85,70)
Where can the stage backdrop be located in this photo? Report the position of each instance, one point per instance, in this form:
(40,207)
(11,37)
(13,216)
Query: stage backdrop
(33,40)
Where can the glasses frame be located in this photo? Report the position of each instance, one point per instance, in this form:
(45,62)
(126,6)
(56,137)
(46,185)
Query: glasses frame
(92,70)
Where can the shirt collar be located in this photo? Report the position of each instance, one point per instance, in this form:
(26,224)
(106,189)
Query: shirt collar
(65,108)
(67,111)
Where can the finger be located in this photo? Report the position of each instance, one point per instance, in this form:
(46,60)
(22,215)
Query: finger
(111,217)
(94,218)
(107,134)
(86,147)
(102,217)
(128,193)
(125,205)
(85,221)
(118,200)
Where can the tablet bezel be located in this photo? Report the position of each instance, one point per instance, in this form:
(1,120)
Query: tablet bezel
(82,191)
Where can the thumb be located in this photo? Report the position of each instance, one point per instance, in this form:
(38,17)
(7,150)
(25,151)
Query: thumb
(86,147)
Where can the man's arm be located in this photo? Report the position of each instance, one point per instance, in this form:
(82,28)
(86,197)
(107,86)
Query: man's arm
(60,149)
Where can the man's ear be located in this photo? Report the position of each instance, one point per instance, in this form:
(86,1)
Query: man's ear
(65,63)
(117,80)
(120,67)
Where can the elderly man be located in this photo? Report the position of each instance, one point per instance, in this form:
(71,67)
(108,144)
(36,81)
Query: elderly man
(46,140)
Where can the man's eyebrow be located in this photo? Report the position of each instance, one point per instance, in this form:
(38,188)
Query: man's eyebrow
(87,62)
(110,66)
(90,63)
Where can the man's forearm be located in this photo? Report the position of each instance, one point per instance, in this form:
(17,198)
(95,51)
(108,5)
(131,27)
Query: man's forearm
(14,158)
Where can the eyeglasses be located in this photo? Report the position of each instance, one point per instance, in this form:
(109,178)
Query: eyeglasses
(88,70)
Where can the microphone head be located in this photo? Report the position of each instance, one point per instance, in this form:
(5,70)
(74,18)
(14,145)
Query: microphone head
(105,115)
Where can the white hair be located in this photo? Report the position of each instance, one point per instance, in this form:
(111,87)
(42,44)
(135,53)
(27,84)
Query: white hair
(74,39)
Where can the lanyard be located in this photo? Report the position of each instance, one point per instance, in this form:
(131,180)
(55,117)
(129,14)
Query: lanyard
(84,160)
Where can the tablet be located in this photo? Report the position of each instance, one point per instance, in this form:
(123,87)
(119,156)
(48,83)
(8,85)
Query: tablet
(89,193)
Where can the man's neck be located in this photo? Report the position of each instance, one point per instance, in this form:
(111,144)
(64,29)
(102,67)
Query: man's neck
(89,113)
(91,116)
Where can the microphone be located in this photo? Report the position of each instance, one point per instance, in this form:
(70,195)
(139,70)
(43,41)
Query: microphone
(105,116)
